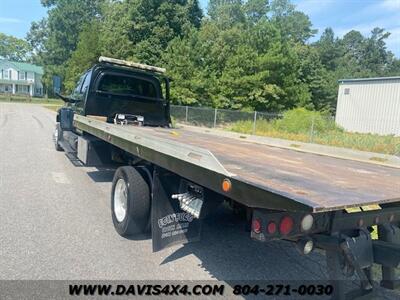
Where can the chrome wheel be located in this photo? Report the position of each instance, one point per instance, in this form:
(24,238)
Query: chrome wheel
(120,200)
(56,135)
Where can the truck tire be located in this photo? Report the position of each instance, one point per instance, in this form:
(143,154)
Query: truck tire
(130,202)
(56,137)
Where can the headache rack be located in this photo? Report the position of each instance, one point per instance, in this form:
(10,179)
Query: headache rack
(132,64)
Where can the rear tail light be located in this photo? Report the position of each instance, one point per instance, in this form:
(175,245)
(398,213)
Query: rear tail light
(286,225)
(271,228)
(256,225)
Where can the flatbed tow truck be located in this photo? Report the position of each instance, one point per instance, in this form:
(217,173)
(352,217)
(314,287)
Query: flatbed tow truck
(170,179)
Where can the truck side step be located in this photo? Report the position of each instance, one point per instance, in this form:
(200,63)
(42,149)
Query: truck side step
(67,148)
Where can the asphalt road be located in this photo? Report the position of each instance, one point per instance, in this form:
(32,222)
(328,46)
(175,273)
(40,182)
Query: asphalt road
(56,223)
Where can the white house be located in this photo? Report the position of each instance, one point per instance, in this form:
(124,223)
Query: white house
(369,105)
(20,78)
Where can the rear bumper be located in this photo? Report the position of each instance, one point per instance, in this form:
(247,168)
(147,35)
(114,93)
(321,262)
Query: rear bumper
(327,222)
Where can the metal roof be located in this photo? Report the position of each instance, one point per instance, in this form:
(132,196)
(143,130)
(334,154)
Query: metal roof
(22,66)
(369,79)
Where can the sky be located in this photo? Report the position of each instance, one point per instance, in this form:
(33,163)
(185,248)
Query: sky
(342,15)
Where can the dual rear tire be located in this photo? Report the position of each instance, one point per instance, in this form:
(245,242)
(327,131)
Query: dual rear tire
(130,202)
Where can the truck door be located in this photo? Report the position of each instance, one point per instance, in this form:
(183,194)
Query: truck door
(80,92)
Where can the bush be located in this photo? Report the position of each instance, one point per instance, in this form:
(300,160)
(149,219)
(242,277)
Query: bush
(173,122)
(296,125)
(300,120)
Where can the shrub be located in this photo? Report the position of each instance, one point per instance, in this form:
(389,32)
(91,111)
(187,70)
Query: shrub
(296,125)
(300,120)
(173,122)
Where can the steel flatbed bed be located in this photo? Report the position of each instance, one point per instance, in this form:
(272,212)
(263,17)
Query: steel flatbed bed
(168,180)
(262,176)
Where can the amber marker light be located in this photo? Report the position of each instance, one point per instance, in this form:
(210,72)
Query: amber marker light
(226,185)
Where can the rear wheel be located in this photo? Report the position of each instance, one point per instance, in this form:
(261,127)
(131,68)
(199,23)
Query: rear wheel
(130,202)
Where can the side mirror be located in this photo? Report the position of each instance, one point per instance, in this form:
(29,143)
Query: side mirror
(67,99)
(63,98)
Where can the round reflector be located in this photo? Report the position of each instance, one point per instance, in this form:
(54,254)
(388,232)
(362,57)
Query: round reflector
(305,246)
(226,185)
(256,225)
(286,225)
(391,218)
(307,222)
(271,228)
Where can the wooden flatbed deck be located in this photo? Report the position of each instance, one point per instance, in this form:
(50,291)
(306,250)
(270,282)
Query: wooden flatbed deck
(319,182)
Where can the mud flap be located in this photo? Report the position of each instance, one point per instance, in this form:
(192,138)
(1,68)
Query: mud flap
(170,225)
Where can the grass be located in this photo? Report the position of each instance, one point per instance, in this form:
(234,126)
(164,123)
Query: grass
(379,159)
(52,104)
(32,100)
(325,132)
(52,107)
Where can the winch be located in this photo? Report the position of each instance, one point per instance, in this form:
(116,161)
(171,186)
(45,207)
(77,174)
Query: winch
(127,119)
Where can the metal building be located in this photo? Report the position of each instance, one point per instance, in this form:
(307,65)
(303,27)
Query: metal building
(369,105)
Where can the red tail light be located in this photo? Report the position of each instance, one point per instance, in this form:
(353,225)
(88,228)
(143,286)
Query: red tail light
(256,225)
(271,228)
(286,225)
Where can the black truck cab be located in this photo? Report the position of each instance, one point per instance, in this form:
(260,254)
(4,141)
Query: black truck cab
(113,88)
(108,89)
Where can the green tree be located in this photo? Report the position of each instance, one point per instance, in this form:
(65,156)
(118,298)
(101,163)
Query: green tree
(246,55)
(13,48)
(329,49)
(226,13)
(293,24)
(36,38)
(142,29)
(56,37)
(115,30)
(375,55)
(85,55)
(241,67)
(256,9)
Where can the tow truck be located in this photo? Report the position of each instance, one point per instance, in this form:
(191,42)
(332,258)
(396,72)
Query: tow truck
(169,179)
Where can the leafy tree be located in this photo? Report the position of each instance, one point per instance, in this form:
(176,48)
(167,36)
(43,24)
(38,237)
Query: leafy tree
(85,55)
(240,67)
(394,68)
(36,37)
(376,56)
(142,29)
(293,24)
(256,9)
(252,54)
(56,37)
(13,48)
(115,29)
(316,77)
(195,14)
(226,13)
(329,49)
